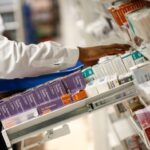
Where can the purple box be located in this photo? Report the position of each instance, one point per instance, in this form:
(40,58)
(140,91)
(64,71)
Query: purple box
(1,114)
(43,94)
(50,106)
(16,104)
(74,82)
(30,100)
(4,110)
(57,89)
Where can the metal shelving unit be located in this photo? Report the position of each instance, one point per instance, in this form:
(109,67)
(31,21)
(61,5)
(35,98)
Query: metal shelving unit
(140,132)
(62,116)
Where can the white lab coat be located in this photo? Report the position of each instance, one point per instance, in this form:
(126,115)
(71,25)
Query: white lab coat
(18,60)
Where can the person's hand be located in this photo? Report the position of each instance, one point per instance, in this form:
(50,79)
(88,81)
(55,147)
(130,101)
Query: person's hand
(90,55)
(147,3)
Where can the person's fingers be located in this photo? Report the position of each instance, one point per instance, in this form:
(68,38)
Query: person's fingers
(108,47)
(90,55)
(116,53)
(90,63)
(119,46)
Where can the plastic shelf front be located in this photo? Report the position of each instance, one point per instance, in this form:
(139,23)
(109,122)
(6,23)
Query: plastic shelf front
(59,117)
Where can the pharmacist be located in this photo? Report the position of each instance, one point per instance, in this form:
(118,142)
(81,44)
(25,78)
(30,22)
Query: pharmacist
(18,60)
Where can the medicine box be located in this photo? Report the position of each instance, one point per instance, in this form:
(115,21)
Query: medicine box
(138,57)
(74,82)
(128,60)
(143,117)
(125,78)
(113,81)
(97,72)
(91,89)
(4,111)
(102,85)
(79,95)
(20,118)
(88,74)
(49,106)
(118,65)
(44,94)
(141,72)
(108,68)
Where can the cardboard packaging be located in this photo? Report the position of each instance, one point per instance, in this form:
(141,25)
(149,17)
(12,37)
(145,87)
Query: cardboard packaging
(108,68)
(4,111)
(119,12)
(91,89)
(113,81)
(16,105)
(74,82)
(58,90)
(139,23)
(20,118)
(29,99)
(138,57)
(102,85)
(144,91)
(128,60)
(89,74)
(141,72)
(101,70)
(97,71)
(134,105)
(44,98)
(125,78)
(79,95)
(43,94)
(143,117)
(118,65)
(66,99)
(49,106)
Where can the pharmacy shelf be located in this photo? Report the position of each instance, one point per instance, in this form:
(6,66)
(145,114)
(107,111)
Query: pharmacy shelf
(140,132)
(62,116)
(117,122)
(114,139)
(128,130)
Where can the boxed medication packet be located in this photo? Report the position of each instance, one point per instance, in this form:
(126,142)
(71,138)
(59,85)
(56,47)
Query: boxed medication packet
(43,99)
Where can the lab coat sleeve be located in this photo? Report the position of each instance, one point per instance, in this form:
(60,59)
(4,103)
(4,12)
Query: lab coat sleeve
(18,60)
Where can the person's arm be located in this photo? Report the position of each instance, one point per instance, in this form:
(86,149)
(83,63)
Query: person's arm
(18,60)
(91,55)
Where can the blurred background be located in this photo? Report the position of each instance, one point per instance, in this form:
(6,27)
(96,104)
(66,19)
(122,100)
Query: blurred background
(69,21)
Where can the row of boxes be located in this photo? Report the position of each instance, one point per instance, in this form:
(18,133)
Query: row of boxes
(58,93)
(101,85)
(119,65)
(138,22)
(141,116)
(141,73)
(43,99)
(119,12)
